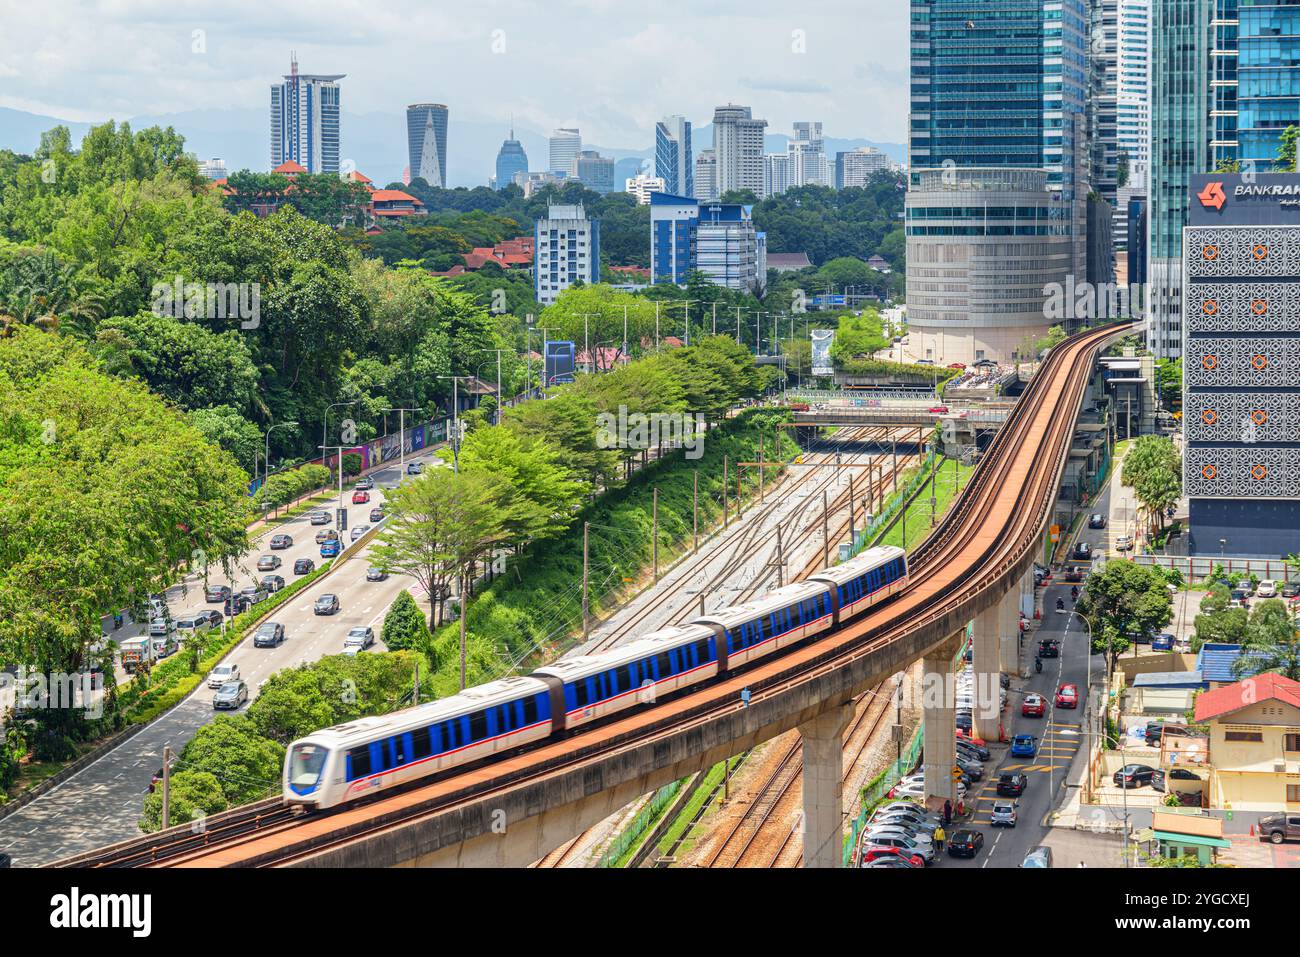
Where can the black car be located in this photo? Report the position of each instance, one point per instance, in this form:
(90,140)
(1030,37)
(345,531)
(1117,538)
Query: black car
(326,605)
(978,750)
(1291,590)
(1174,774)
(377,513)
(1012,783)
(1134,775)
(213,616)
(1097,521)
(303,565)
(281,541)
(965,843)
(1156,730)
(217,592)
(963,720)
(1049,648)
(268,635)
(1082,552)
(272,583)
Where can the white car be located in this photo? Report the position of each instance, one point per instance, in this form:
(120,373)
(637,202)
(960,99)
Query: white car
(1267,589)
(876,831)
(222,674)
(914,786)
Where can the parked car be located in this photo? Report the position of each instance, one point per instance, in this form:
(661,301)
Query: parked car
(1049,648)
(376,574)
(360,497)
(1173,774)
(1034,706)
(1291,590)
(216,593)
(303,566)
(1134,775)
(938,410)
(1123,543)
(922,825)
(1040,856)
(1024,746)
(269,634)
(925,851)
(213,616)
(272,583)
(1156,729)
(1004,814)
(872,853)
(326,535)
(320,518)
(977,747)
(965,843)
(365,483)
(221,674)
(1163,642)
(268,563)
(361,638)
(962,718)
(1267,589)
(230,696)
(888,863)
(281,541)
(1280,827)
(326,605)
(377,513)
(1067,696)
(1012,783)
(1082,552)
(1097,520)
(192,625)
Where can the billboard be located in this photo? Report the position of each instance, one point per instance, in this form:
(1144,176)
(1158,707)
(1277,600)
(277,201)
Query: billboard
(821,351)
(1244,199)
(561,358)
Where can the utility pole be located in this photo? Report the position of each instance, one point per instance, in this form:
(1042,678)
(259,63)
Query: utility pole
(695,512)
(738,342)
(528,354)
(625,332)
(586,339)
(415,694)
(656,325)
(687,304)
(715,317)
(461,609)
(724,491)
(401,435)
(586,573)
(496,419)
(894,474)
(780,559)
(654,535)
(826,531)
(852,508)
(761,496)
(166,783)
(455,418)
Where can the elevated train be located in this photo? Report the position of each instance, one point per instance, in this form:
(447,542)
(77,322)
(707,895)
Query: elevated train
(342,764)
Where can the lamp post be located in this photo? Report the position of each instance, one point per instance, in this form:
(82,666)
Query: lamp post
(401,439)
(498,355)
(455,419)
(324,430)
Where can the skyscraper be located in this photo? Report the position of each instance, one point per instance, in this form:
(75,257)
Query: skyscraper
(305,120)
(716,239)
(566,144)
(706,176)
(426,142)
(511,159)
(674,163)
(738,150)
(567,247)
(807,152)
(856,168)
(776,173)
(596,172)
(997,204)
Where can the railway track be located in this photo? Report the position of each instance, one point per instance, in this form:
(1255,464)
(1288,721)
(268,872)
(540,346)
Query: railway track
(977,550)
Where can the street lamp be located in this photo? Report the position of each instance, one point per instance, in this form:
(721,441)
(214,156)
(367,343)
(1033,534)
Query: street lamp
(455,419)
(324,428)
(401,438)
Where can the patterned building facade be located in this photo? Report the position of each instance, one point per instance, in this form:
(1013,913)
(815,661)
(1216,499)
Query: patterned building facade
(1241,364)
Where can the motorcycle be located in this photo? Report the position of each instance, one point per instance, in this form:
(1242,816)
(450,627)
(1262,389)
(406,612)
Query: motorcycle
(1074,594)
(1060,604)
(1038,665)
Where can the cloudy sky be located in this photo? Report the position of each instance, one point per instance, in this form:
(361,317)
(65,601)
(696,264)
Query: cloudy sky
(612,67)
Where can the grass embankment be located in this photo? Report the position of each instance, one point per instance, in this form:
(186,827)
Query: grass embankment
(945,484)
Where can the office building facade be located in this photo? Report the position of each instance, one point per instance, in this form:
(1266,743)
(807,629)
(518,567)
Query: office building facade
(305,120)
(642,185)
(674,159)
(567,245)
(594,171)
(738,150)
(776,173)
(807,152)
(565,145)
(857,167)
(511,159)
(706,176)
(716,239)
(1241,364)
(426,142)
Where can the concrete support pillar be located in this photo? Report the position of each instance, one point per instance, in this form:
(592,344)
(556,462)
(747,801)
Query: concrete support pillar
(1027,593)
(938,686)
(823,779)
(986,663)
(1009,631)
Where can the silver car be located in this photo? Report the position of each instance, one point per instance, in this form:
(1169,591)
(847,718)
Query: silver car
(1004,814)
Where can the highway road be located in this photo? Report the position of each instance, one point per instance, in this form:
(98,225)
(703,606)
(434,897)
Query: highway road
(102,802)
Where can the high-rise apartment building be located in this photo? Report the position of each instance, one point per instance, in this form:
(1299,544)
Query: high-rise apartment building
(305,120)
(596,172)
(999,171)
(776,174)
(706,176)
(511,159)
(674,161)
(807,152)
(642,185)
(567,247)
(716,239)
(426,142)
(856,168)
(214,168)
(566,144)
(738,150)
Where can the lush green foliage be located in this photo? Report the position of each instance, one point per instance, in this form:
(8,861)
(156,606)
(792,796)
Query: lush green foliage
(404,626)
(1122,601)
(1153,469)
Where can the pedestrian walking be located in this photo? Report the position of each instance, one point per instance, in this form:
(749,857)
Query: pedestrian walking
(947,812)
(939,837)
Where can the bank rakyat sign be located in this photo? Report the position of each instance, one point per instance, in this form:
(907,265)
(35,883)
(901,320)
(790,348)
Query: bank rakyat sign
(1241,199)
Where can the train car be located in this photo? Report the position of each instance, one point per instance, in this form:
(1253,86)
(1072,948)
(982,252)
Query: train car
(867,578)
(778,619)
(589,687)
(349,761)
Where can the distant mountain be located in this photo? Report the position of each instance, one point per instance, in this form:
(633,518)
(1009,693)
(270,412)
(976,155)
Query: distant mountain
(376,142)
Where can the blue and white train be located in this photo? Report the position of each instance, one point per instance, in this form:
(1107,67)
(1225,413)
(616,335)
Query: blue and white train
(351,761)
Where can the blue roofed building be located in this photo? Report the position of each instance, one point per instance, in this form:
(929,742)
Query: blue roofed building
(1215,661)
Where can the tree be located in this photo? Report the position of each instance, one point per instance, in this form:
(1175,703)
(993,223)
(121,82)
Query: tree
(1271,643)
(1286,150)
(540,493)
(1153,469)
(404,626)
(1217,621)
(192,794)
(1123,601)
(245,764)
(225,427)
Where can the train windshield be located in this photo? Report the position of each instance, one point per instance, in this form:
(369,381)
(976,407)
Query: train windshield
(306,761)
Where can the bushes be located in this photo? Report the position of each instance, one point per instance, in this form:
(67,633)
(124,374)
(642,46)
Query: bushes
(404,625)
(285,487)
(194,794)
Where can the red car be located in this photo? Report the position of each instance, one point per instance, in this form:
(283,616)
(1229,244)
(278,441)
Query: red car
(360,497)
(1067,696)
(798,406)
(870,853)
(969,736)
(1034,706)
(938,409)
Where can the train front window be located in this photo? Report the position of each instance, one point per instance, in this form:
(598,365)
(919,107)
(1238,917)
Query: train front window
(306,762)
